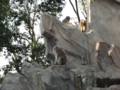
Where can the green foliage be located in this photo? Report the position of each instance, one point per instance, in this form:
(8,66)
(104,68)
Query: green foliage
(5,33)
(83,5)
(1,79)
(52,7)
(24,45)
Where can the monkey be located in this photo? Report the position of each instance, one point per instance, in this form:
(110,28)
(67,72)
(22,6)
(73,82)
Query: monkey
(60,56)
(66,20)
(82,25)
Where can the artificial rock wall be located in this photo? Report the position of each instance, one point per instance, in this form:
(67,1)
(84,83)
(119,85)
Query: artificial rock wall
(104,19)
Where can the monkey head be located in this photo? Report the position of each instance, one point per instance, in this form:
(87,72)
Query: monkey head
(68,18)
(55,48)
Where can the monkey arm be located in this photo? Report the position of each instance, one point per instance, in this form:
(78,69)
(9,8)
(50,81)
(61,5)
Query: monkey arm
(56,57)
(59,61)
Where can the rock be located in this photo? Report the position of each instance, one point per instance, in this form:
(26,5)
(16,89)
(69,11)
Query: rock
(107,66)
(67,38)
(113,87)
(73,76)
(114,53)
(104,18)
(117,1)
(56,77)
(0,87)
(15,82)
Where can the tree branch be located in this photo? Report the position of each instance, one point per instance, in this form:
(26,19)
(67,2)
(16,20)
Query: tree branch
(84,9)
(72,6)
(77,11)
(33,21)
(84,15)
(25,39)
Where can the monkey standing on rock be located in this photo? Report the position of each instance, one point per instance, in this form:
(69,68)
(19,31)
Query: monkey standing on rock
(66,20)
(60,56)
(82,25)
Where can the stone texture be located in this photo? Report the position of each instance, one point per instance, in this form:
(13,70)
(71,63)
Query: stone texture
(105,19)
(56,77)
(78,45)
(114,53)
(107,66)
(67,38)
(78,72)
(117,1)
(114,87)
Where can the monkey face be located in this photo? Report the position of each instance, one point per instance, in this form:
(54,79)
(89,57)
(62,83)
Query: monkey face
(68,18)
(55,48)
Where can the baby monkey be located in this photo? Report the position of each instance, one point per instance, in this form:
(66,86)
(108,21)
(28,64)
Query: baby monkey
(60,56)
(66,20)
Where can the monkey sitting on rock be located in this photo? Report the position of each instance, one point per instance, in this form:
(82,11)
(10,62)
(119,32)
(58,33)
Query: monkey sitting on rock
(66,20)
(82,25)
(60,56)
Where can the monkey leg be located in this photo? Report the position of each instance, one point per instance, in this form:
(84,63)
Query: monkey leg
(55,63)
(59,61)
(83,29)
(56,59)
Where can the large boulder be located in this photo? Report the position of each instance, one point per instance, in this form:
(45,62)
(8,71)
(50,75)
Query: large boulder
(56,77)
